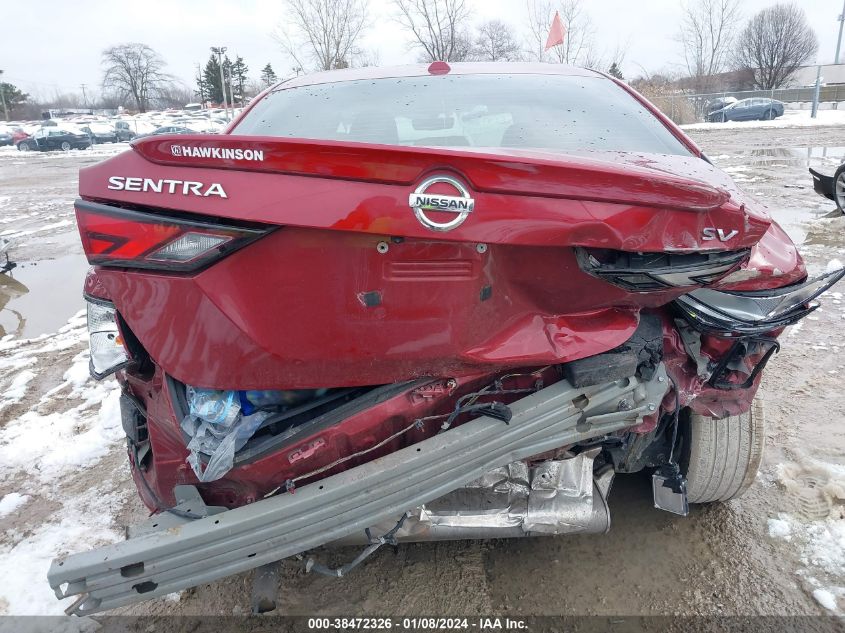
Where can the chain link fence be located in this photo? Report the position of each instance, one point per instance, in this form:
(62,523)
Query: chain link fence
(692,108)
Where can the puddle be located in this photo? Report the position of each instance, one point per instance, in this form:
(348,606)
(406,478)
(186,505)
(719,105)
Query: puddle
(793,156)
(793,220)
(38,298)
(777,176)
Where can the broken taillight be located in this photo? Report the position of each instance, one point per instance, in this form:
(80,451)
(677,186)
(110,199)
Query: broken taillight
(114,236)
(107,349)
(645,272)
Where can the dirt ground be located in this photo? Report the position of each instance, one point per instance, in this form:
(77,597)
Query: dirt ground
(722,559)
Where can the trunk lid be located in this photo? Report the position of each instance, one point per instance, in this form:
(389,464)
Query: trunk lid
(608,199)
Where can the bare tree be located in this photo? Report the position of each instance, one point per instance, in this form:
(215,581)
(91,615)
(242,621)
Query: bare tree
(579,33)
(775,43)
(136,72)
(323,32)
(707,32)
(174,95)
(438,28)
(496,41)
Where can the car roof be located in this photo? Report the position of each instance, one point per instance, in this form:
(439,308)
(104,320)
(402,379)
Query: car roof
(421,70)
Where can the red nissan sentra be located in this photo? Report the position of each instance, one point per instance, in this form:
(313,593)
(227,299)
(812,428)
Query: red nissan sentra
(421,303)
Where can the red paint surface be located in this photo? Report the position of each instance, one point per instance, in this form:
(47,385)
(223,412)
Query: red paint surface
(288,310)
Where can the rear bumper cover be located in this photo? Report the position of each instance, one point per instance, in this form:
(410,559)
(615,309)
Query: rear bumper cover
(822,184)
(170,553)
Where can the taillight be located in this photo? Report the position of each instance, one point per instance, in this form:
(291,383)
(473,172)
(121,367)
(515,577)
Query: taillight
(112,236)
(644,272)
(108,351)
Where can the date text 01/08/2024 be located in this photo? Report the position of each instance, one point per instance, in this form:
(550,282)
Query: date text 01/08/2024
(416,624)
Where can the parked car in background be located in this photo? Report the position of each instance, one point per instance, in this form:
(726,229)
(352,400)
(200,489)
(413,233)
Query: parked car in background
(756,109)
(53,138)
(100,132)
(124,131)
(831,186)
(6,136)
(718,104)
(18,134)
(169,129)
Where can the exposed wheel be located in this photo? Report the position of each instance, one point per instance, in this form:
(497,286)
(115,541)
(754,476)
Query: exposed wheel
(23,146)
(769,115)
(721,457)
(65,146)
(839,188)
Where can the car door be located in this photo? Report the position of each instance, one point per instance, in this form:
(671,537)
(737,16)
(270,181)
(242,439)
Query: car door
(759,108)
(52,139)
(38,139)
(740,110)
(60,136)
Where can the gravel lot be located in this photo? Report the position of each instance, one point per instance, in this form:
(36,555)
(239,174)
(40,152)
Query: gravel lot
(778,550)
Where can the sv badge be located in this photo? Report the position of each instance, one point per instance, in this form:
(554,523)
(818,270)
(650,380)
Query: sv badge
(711,233)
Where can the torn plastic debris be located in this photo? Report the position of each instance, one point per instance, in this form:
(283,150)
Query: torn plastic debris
(218,428)
(219,423)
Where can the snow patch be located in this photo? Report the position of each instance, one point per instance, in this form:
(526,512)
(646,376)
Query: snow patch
(17,388)
(780,528)
(12,502)
(82,524)
(826,599)
(833,264)
(69,429)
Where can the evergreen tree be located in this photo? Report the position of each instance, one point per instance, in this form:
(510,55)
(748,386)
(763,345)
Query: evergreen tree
(12,96)
(268,76)
(239,78)
(211,78)
(615,72)
(202,87)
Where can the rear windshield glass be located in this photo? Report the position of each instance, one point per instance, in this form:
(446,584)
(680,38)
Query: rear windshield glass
(548,112)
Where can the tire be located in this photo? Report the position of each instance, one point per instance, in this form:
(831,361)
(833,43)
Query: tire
(65,146)
(23,146)
(769,115)
(721,457)
(839,188)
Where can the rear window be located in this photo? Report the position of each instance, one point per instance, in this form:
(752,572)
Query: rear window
(547,112)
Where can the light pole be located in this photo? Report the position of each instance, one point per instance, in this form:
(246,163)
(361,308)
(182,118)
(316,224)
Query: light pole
(841,24)
(219,50)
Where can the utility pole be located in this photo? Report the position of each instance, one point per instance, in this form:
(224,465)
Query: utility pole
(84,98)
(231,93)
(219,50)
(201,86)
(841,24)
(3,98)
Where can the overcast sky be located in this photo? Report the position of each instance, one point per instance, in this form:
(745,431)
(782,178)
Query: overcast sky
(55,45)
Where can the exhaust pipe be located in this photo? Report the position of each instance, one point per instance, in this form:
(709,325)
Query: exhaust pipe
(554,497)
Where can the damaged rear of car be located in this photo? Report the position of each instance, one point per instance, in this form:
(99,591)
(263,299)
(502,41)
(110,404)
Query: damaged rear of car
(416,304)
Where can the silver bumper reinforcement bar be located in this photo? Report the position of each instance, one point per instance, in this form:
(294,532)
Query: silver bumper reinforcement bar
(169,553)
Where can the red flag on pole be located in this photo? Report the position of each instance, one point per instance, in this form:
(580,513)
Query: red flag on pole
(556,33)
